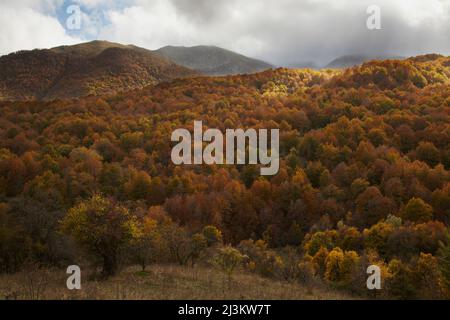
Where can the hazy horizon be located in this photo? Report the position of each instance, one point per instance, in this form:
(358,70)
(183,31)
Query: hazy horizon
(312,64)
(286,32)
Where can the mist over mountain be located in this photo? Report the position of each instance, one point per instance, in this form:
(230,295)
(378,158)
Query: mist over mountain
(354,60)
(303,65)
(212,60)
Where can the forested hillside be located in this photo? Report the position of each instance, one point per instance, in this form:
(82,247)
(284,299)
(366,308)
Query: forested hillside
(364,178)
(93,68)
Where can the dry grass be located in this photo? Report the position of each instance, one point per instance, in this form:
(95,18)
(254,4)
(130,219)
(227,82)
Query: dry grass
(158,283)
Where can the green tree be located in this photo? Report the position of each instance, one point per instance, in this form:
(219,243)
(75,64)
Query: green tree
(144,245)
(102,227)
(212,235)
(227,260)
(198,244)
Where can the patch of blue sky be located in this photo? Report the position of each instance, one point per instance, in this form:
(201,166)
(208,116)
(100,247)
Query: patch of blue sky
(94,16)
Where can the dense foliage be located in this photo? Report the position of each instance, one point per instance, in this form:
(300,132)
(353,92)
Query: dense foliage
(97,67)
(364,176)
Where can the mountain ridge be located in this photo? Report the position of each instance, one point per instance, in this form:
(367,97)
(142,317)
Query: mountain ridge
(97,68)
(350,60)
(212,60)
(102,67)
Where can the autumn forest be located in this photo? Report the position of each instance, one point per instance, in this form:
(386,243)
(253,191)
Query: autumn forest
(364,179)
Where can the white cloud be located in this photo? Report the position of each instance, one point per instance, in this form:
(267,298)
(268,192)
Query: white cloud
(152,26)
(26,25)
(284,31)
(280,31)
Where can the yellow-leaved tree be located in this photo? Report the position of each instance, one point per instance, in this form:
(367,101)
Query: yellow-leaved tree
(102,227)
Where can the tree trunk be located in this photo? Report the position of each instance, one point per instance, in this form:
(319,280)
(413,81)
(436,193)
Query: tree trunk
(109,265)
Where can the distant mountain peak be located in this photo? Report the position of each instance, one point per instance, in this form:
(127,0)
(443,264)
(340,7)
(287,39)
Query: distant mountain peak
(213,60)
(104,67)
(349,60)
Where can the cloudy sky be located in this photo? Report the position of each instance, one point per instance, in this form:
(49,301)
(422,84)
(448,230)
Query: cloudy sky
(278,31)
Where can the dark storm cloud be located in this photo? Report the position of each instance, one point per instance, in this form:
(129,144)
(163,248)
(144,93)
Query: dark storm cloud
(291,31)
(202,11)
(279,31)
